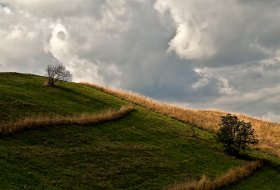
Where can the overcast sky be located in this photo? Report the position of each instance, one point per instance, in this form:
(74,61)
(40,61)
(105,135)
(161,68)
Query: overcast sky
(221,54)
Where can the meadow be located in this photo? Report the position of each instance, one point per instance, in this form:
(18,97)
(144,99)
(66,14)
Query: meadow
(267,132)
(54,144)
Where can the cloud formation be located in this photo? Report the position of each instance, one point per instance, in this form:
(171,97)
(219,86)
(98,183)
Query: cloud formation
(203,54)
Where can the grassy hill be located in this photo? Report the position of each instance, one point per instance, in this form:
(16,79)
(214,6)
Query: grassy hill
(142,150)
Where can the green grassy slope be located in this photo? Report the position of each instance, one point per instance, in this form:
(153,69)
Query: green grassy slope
(144,150)
(25,95)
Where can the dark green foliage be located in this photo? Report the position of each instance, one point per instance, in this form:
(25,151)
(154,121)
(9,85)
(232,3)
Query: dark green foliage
(235,135)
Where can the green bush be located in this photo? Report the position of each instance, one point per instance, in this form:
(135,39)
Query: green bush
(235,135)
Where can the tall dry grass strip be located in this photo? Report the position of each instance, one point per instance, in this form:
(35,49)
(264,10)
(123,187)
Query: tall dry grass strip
(83,119)
(268,133)
(230,177)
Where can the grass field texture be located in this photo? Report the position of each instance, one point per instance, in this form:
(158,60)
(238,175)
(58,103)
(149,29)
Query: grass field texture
(143,150)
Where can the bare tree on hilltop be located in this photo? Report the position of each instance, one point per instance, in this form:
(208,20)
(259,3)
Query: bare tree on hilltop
(57,72)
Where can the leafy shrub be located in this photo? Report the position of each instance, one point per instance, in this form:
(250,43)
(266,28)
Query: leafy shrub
(235,135)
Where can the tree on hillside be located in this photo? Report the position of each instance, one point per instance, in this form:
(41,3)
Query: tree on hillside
(57,72)
(235,135)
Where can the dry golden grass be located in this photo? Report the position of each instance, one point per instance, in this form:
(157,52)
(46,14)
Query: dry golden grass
(231,176)
(83,119)
(268,133)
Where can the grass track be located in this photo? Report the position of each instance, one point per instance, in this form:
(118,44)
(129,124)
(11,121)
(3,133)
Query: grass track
(45,121)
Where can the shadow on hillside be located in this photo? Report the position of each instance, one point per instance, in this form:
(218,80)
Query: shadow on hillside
(245,157)
(71,91)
